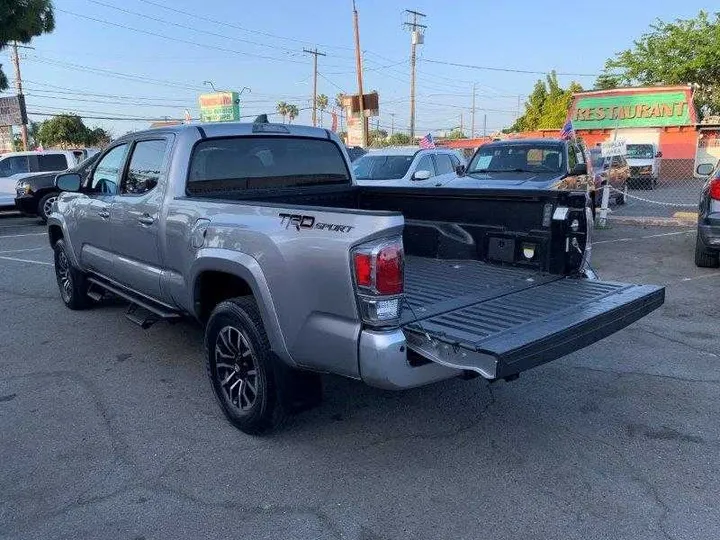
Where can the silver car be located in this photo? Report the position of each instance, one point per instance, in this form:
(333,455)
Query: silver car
(408,166)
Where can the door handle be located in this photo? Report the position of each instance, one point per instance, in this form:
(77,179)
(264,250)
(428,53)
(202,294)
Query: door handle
(146,219)
(103,214)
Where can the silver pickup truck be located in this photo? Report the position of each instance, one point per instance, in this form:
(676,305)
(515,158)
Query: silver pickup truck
(260,233)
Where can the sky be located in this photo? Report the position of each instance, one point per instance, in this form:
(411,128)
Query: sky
(141,59)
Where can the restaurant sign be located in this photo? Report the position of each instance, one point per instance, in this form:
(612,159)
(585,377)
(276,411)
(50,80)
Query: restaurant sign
(647,109)
(220,107)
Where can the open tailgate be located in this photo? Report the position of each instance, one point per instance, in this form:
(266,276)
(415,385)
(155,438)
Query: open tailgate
(517,321)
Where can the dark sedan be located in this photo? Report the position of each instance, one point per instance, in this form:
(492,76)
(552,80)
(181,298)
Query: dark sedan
(707,245)
(36,193)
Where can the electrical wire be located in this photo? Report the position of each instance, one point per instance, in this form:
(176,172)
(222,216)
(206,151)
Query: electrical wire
(508,70)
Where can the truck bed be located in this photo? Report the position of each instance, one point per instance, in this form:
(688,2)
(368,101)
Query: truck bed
(500,320)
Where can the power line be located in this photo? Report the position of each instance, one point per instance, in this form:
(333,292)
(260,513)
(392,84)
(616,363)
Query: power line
(509,70)
(237,27)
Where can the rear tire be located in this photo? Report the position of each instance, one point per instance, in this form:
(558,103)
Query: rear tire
(245,376)
(703,257)
(72,282)
(45,206)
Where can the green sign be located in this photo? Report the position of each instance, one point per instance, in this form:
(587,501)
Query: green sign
(632,110)
(220,107)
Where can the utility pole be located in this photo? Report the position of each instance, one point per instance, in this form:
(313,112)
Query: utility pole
(484,125)
(461,123)
(392,124)
(315,54)
(358,68)
(518,109)
(472,122)
(417,36)
(18,86)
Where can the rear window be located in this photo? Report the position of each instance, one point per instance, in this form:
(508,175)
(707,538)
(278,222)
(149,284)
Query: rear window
(250,163)
(52,162)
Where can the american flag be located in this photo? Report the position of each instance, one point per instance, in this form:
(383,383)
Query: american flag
(427,141)
(567,132)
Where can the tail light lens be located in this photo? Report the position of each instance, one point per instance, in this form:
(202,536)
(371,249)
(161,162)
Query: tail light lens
(378,272)
(715,189)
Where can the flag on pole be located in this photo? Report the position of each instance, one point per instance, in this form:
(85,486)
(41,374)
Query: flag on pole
(427,141)
(567,132)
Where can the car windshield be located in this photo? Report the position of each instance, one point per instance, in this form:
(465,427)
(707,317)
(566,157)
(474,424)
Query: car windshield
(522,157)
(371,167)
(640,151)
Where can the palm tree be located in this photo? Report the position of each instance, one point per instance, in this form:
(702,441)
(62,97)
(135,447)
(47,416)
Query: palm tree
(339,104)
(282,109)
(322,104)
(292,112)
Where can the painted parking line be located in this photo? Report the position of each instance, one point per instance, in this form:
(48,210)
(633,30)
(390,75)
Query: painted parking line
(22,250)
(643,237)
(17,259)
(21,235)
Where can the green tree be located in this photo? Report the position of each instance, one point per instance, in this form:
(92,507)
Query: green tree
(685,51)
(322,104)
(398,139)
(68,130)
(292,112)
(282,109)
(455,134)
(377,137)
(546,106)
(22,20)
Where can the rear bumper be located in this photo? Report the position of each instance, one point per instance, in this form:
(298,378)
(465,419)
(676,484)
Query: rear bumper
(384,363)
(709,233)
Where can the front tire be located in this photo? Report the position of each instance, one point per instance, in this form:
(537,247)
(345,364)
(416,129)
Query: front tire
(703,257)
(45,206)
(244,374)
(72,282)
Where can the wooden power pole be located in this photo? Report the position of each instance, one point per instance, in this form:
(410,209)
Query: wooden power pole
(417,36)
(315,54)
(472,121)
(358,68)
(18,86)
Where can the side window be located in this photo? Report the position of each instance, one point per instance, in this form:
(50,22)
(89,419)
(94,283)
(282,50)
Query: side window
(426,164)
(455,161)
(106,176)
(572,157)
(145,167)
(52,162)
(14,165)
(444,165)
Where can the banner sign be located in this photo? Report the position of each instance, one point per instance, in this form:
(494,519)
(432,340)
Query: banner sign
(12,111)
(220,107)
(6,139)
(613,148)
(625,110)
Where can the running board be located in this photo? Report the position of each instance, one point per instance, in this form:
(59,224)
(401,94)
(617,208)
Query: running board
(142,311)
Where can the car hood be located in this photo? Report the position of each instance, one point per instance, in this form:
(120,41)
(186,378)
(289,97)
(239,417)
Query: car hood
(39,179)
(512,180)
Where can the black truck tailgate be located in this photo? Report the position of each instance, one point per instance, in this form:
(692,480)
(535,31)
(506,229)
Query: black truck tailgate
(499,321)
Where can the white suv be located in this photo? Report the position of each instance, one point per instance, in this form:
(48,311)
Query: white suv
(407,166)
(16,164)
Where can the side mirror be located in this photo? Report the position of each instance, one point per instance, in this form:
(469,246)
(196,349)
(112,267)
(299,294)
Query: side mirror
(658,154)
(460,170)
(704,169)
(579,169)
(421,175)
(68,182)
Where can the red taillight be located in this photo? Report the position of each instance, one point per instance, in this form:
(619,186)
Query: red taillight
(389,270)
(715,189)
(363,269)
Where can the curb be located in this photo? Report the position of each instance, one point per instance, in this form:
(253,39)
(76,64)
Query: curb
(654,221)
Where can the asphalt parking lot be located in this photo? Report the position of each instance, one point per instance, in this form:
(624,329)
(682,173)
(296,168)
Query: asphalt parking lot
(110,431)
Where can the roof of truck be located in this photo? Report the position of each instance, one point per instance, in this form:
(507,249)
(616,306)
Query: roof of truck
(220,129)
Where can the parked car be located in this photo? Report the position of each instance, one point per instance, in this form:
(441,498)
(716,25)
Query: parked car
(355,152)
(16,164)
(707,244)
(555,164)
(644,161)
(260,232)
(36,193)
(615,169)
(407,166)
